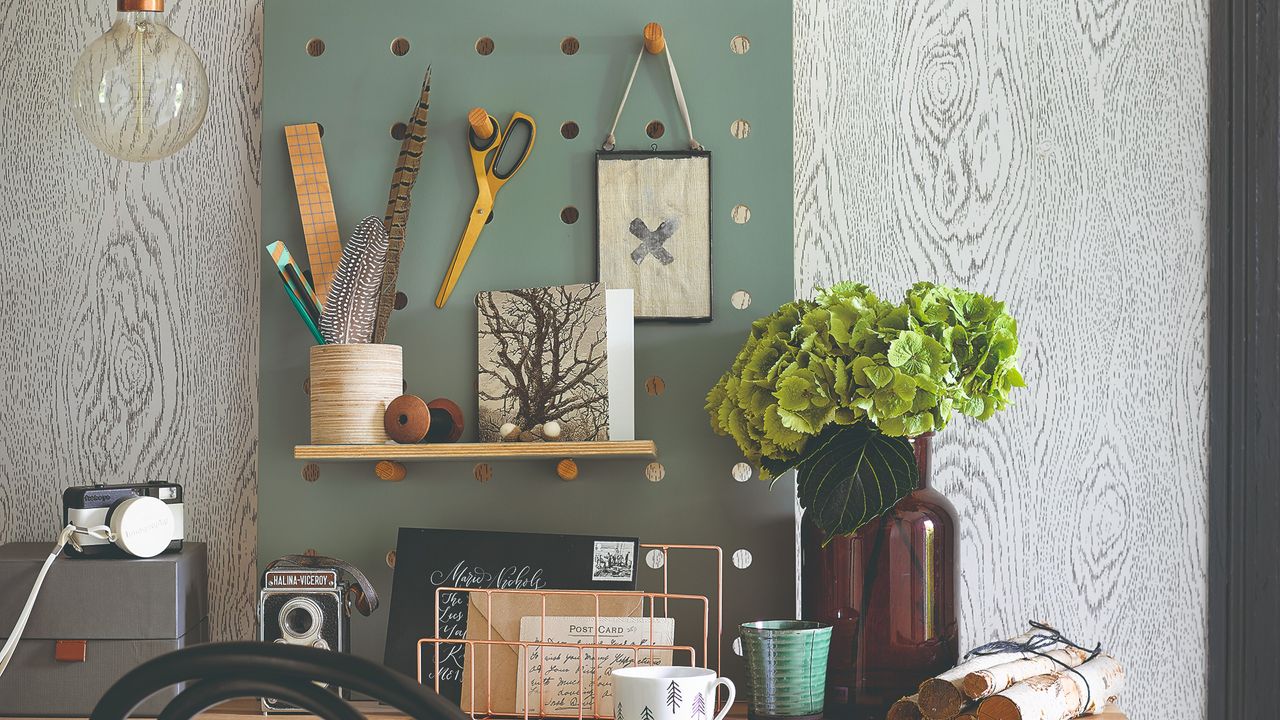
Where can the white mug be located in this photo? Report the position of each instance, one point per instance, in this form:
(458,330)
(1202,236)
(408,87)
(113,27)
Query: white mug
(668,693)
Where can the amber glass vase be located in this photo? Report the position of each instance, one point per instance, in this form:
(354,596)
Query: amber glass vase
(889,592)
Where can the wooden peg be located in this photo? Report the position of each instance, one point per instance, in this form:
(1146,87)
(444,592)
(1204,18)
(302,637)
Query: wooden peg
(480,125)
(389,471)
(567,469)
(654,41)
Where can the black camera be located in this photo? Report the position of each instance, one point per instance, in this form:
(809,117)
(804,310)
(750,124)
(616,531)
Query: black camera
(305,600)
(140,520)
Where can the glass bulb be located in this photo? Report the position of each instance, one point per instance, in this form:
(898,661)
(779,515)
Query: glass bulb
(139,92)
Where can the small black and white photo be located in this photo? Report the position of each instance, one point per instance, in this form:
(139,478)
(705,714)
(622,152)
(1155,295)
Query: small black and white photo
(613,561)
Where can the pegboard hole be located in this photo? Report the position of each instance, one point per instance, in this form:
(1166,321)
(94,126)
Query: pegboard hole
(569,215)
(739,44)
(399,131)
(311,472)
(400,47)
(306,386)
(483,472)
(740,129)
(741,299)
(655,129)
(737,647)
(742,472)
(569,130)
(391,559)
(742,558)
(402,300)
(320,132)
(655,386)
(484,45)
(741,214)
(654,472)
(315,47)
(489,219)
(655,559)
(309,552)
(570,45)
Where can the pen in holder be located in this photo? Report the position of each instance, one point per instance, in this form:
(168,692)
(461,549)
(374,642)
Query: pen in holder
(351,385)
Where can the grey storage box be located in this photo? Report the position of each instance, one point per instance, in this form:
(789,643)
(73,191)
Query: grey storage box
(115,614)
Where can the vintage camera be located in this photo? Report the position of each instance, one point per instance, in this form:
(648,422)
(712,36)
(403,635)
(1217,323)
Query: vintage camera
(305,600)
(141,520)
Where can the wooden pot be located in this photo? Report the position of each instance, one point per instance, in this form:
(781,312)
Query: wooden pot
(350,388)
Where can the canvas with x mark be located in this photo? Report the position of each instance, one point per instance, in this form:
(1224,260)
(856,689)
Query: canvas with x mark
(654,231)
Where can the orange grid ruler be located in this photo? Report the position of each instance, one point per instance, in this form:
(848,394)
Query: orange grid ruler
(315,205)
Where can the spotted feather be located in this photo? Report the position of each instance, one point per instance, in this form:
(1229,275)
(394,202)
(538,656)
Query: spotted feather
(349,313)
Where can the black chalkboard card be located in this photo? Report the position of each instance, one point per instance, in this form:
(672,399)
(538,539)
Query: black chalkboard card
(430,559)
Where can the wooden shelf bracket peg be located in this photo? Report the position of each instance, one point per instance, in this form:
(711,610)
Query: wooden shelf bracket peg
(390,470)
(567,469)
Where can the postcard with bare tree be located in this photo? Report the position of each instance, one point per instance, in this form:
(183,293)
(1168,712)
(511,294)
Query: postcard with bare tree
(543,357)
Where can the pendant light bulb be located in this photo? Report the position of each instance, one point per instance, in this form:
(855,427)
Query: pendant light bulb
(139,92)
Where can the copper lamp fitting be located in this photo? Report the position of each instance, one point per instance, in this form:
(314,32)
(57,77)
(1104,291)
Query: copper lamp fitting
(140,5)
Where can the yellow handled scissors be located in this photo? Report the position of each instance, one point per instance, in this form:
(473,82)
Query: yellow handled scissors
(488,144)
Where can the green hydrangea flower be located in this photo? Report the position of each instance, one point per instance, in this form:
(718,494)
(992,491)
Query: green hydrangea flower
(847,357)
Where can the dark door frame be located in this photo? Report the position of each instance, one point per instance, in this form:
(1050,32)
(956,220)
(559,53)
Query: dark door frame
(1244,361)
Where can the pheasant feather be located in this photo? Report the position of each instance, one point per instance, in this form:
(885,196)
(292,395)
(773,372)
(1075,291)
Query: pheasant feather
(349,312)
(402,180)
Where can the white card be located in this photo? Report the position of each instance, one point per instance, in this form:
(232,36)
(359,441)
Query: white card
(621,344)
(559,675)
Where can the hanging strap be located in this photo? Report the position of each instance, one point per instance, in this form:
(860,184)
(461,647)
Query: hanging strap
(6,654)
(675,84)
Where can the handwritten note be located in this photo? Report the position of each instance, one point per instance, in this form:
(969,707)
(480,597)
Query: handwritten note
(553,673)
(453,608)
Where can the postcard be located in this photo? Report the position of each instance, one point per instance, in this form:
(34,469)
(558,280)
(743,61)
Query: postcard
(553,673)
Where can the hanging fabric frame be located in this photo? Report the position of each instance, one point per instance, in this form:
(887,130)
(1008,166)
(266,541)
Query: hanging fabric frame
(653,220)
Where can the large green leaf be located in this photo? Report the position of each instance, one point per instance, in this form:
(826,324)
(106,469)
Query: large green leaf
(851,474)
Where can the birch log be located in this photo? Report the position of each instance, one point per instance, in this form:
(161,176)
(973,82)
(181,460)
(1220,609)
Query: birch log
(908,708)
(1058,696)
(983,683)
(942,697)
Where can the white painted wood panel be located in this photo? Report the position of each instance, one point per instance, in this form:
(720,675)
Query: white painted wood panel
(1055,155)
(130,293)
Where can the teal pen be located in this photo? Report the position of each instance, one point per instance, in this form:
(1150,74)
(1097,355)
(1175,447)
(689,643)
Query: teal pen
(302,312)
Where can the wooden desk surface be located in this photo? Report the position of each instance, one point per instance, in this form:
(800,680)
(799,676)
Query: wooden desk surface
(240,709)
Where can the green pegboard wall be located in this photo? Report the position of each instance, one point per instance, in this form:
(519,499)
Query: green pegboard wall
(357,89)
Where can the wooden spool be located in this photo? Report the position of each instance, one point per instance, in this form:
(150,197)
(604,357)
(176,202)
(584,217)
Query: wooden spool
(478,119)
(351,386)
(407,419)
(567,469)
(654,40)
(390,471)
(446,421)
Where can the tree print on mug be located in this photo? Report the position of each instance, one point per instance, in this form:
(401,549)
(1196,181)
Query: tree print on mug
(617,715)
(646,714)
(699,707)
(673,696)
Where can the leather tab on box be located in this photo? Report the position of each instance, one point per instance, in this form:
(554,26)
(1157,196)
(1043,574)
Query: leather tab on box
(70,650)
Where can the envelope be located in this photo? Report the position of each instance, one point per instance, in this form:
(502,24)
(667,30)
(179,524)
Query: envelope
(493,670)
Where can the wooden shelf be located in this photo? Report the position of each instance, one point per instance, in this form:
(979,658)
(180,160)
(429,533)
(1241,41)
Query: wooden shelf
(639,449)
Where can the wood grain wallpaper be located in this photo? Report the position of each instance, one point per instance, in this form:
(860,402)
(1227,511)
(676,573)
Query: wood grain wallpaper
(130,293)
(1053,154)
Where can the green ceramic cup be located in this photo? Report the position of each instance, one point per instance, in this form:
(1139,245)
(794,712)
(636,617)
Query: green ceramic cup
(787,665)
